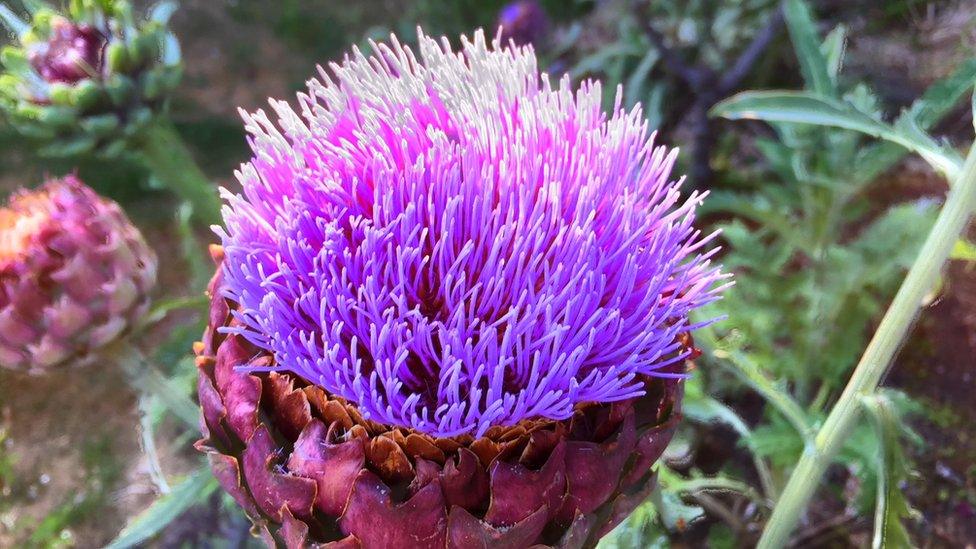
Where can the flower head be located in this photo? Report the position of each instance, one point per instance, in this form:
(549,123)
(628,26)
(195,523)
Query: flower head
(451,308)
(74,275)
(90,78)
(523,21)
(71,53)
(452,242)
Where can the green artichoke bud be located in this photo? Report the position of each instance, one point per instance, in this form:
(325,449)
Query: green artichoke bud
(89,79)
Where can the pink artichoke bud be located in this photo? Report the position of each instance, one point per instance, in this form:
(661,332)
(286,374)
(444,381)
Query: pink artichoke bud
(523,22)
(74,275)
(71,53)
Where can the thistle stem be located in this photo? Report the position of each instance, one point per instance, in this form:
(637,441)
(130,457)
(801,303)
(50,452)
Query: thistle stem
(145,379)
(163,151)
(894,327)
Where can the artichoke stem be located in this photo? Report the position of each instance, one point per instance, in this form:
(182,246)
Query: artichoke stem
(169,159)
(898,320)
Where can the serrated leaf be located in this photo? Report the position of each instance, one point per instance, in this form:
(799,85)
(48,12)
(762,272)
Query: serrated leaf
(193,490)
(806,42)
(818,110)
(892,508)
(673,512)
(161,12)
(927,110)
(747,369)
(833,51)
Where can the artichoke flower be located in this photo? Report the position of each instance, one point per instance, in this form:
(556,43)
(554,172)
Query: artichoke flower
(75,274)
(451,307)
(90,79)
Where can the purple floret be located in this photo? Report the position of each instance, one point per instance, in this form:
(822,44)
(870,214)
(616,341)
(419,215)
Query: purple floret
(452,242)
(72,53)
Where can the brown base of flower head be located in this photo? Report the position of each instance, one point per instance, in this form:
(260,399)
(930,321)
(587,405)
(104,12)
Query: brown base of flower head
(309,470)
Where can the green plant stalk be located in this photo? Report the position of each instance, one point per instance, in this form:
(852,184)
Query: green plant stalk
(163,151)
(894,327)
(145,379)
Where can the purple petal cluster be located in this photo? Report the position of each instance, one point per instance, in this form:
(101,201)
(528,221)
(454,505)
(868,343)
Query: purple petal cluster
(72,53)
(453,242)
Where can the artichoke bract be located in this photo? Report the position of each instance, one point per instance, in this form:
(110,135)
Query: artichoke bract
(90,79)
(75,274)
(451,307)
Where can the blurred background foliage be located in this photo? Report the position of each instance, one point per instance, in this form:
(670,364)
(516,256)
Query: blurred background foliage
(819,225)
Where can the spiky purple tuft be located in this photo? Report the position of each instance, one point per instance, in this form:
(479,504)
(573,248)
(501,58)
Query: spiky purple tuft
(453,243)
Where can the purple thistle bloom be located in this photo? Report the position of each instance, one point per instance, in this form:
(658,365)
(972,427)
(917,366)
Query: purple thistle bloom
(453,243)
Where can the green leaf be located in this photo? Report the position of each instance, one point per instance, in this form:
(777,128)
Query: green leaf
(195,489)
(747,370)
(833,51)
(636,80)
(963,251)
(68,147)
(675,513)
(892,508)
(10,20)
(145,378)
(161,12)
(174,397)
(808,108)
(699,407)
(148,433)
(927,110)
(201,268)
(806,42)
(163,308)
(943,95)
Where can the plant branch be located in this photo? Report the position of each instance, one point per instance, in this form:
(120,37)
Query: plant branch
(746,370)
(146,379)
(753,52)
(894,327)
(689,74)
(163,151)
(707,86)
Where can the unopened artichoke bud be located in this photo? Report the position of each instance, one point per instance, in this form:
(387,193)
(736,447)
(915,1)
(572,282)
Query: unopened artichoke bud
(523,22)
(75,275)
(451,307)
(89,79)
